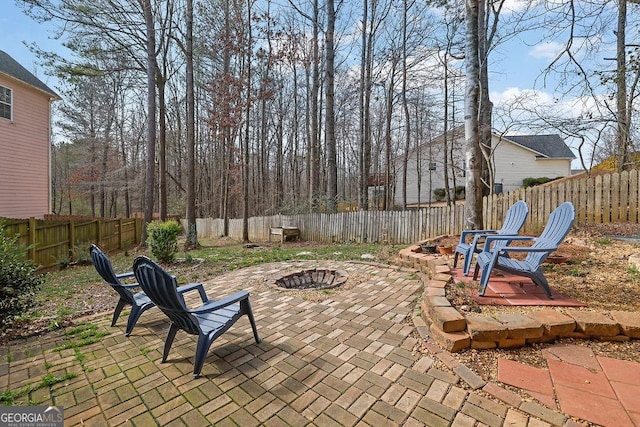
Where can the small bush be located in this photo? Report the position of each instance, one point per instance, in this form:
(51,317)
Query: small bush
(18,278)
(82,254)
(439,193)
(532,182)
(460,192)
(162,238)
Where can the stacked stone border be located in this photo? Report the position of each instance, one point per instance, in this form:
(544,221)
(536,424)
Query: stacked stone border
(436,318)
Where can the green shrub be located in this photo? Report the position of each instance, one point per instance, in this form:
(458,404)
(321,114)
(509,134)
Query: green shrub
(439,193)
(162,238)
(460,192)
(18,278)
(532,182)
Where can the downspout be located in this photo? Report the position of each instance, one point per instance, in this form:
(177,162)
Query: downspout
(50,133)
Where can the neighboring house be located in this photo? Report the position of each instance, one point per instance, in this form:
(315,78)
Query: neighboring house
(25,142)
(514,158)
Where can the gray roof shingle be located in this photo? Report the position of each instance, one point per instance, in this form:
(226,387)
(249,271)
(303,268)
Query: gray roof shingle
(12,68)
(550,146)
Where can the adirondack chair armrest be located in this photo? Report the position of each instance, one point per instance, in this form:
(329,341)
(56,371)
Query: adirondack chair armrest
(130,285)
(527,249)
(479,237)
(467,233)
(221,303)
(491,239)
(197,286)
(125,275)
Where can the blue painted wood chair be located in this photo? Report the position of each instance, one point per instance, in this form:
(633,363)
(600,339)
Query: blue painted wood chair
(138,301)
(513,222)
(208,321)
(558,226)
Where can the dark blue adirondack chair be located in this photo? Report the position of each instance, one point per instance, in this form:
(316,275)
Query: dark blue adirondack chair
(558,226)
(513,222)
(139,302)
(208,322)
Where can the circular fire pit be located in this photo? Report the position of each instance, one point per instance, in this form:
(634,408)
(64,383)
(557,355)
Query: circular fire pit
(316,278)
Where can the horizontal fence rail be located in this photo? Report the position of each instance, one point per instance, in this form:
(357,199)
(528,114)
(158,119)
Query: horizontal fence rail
(603,199)
(51,242)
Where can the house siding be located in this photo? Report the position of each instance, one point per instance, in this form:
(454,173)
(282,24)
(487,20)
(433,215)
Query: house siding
(512,163)
(429,180)
(515,163)
(25,153)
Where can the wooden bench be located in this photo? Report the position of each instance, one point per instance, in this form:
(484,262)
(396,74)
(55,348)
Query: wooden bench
(283,232)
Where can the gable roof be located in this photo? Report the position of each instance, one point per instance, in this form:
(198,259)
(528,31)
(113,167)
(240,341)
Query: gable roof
(13,69)
(548,146)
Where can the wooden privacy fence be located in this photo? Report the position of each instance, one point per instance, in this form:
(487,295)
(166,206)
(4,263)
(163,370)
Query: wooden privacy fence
(53,241)
(597,200)
(601,199)
(393,227)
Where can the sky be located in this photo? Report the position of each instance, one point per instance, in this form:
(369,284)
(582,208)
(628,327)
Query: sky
(16,28)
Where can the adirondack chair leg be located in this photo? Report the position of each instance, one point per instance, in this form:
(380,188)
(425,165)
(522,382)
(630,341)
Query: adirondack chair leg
(245,307)
(136,311)
(118,310)
(468,256)
(539,279)
(455,259)
(476,271)
(202,348)
(486,274)
(169,341)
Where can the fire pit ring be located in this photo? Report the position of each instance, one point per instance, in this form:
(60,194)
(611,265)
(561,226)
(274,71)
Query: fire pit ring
(315,278)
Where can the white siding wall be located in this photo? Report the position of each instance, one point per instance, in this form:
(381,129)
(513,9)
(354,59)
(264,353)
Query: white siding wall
(514,163)
(429,180)
(24,154)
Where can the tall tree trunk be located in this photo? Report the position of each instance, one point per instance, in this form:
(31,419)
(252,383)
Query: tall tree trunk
(245,145)
(623,124)
(330,132)
(192,232)
(473,154)
(387,203)
(405,107)
(162,144)
(485,106)
(314,165)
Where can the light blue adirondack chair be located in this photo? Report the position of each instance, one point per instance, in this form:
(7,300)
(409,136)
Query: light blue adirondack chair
(208,322)
(513,222)
(558,226)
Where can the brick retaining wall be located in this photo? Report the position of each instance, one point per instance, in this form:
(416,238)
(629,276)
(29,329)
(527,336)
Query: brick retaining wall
(455,331)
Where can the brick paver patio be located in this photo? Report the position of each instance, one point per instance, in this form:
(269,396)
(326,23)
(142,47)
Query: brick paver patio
(347,360)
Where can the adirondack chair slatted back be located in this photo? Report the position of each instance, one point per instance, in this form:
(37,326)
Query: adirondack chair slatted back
(515,218)
(513,222)
(558,226)
(161,288)
(104,268)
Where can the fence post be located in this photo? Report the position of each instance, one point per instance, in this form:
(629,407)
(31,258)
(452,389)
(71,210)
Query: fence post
(120,222)
(72,239)
(99,232)
(32,239)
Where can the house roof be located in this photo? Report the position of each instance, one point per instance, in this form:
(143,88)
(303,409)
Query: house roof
(549,146)
(13,69)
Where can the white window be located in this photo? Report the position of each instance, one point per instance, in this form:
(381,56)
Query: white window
(6,103)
